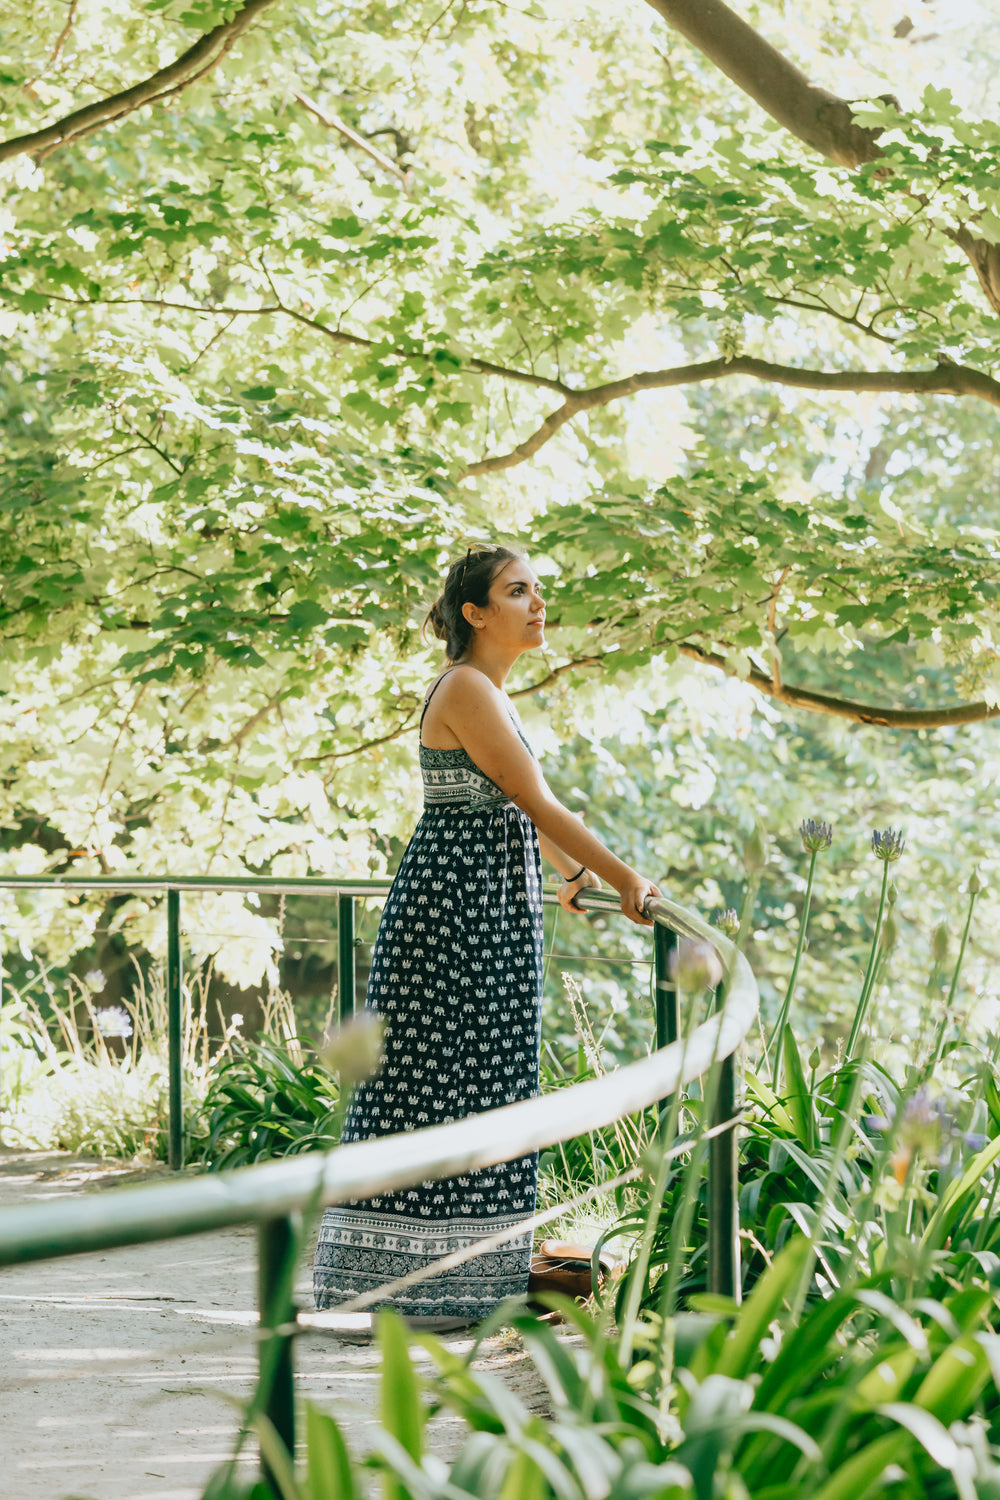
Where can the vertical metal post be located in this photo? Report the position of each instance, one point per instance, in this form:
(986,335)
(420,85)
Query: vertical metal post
(175,1081)
(277,1244)
(345,954)
(724,1275)
(666,997)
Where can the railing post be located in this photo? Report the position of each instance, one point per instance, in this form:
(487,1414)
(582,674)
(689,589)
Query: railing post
(724,1275)
(345,954)
(175,1081)
(666,995)
(276,1249)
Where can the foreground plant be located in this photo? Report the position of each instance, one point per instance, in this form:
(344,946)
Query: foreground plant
(755,1401)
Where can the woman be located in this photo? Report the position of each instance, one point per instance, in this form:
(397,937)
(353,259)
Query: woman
(457,966)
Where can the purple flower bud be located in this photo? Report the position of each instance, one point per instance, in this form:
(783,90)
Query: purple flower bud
(888,844)
(815,834)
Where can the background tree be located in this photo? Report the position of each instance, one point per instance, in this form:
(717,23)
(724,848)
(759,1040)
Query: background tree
(296,309)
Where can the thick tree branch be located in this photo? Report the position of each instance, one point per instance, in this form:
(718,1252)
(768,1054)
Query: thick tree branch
(817,117)
(820,119)
(845,708)
(944,380)
(207,52)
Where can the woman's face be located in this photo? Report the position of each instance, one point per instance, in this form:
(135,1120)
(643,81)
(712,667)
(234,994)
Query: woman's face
(515,617)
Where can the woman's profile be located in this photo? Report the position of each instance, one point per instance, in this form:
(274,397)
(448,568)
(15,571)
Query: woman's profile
(457,964)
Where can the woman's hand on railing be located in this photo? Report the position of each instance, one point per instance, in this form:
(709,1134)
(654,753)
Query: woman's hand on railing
(585,881)
(634,894)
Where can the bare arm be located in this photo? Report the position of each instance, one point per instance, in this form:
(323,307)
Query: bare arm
(557,857)
(582,879)
(476,714)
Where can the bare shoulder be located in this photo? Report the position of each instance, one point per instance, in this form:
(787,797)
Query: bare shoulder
(461,701)
(467,686)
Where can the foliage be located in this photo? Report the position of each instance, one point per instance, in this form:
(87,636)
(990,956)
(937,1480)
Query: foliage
(865,1351)
(247,370)
(266,1099)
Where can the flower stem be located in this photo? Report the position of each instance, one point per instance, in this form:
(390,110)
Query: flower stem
(946,1016)
(869,980)
(777,1035)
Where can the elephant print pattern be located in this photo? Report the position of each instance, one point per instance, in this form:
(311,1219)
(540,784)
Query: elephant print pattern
(456,977)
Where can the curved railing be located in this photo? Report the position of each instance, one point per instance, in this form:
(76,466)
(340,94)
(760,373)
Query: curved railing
(271,1194)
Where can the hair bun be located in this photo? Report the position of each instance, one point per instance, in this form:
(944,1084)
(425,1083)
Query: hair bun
(436,620)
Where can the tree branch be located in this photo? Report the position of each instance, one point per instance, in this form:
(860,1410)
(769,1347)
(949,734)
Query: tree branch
(334,122)
(205,54)
(817,117)
(944,379)
(402,727)
(845,708)
(555,672)
(820,119)
(336,335)
(63,36)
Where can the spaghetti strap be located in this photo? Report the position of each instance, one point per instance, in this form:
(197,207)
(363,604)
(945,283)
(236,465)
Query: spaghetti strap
(430,695)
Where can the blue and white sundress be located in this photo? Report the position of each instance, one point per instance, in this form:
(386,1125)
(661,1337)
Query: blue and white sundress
(456,977)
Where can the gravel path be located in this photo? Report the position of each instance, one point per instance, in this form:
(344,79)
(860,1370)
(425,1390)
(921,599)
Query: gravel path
(115,1367)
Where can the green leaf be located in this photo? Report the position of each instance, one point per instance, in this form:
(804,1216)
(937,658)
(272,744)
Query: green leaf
(402,1409)
(305,615)
(858,1475)
(329,1469)
(798,1097)
(954,1381)
(951,1204)
(777,1285)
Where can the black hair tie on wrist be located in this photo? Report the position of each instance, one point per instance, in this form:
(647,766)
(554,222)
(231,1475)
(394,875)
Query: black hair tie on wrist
(569,879)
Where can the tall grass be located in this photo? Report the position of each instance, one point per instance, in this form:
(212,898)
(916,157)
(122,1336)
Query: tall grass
(94,1079)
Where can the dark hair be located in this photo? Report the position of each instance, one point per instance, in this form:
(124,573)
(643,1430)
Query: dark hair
(468,582)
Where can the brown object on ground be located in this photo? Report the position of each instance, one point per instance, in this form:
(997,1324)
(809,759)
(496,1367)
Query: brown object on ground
(558,1266)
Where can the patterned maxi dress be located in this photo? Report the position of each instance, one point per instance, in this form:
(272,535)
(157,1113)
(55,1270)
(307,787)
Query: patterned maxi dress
(456,977)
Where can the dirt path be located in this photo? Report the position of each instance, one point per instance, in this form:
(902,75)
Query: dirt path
(115,1367)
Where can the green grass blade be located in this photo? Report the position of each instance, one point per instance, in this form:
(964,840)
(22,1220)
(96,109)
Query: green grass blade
(798,1097)
(777,1283)
(856,1477)
(950,1205)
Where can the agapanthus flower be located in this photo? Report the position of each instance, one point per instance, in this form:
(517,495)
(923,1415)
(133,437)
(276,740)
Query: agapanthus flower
(927,1129)
(727,921)
(816,835)
(354,1049)
(888,844)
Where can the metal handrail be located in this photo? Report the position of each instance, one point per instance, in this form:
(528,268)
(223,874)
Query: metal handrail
(254,1194)
(271,1194)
